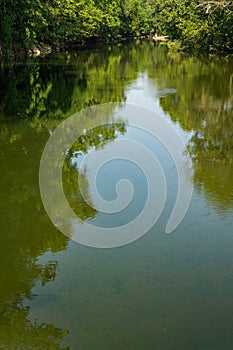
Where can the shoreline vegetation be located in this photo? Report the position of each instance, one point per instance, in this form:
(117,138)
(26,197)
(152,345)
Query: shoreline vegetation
(33,28)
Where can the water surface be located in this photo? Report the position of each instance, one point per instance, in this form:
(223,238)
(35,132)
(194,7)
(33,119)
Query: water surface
(162,291)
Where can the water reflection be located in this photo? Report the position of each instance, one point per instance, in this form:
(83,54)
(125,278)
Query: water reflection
(25,235)
(196,93)
(92,139)
(203,105)
(34,98)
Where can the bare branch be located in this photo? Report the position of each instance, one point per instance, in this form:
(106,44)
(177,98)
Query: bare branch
(211,6)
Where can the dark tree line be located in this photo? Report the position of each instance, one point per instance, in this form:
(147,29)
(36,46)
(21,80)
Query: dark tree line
(196,23)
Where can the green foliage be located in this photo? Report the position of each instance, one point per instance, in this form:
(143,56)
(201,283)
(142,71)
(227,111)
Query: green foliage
(28,23)
(190,22)
(174,46)
(25,23)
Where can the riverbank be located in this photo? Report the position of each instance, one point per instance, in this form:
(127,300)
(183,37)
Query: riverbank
(17,52)
(60,25)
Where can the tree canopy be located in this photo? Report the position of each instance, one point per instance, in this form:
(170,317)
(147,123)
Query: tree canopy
(198,24)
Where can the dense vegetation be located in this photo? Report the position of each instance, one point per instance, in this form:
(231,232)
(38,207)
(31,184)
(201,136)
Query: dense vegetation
(197,24)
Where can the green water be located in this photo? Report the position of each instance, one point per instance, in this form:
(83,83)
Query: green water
(172,292)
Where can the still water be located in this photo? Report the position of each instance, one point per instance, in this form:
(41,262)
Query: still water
(163,291)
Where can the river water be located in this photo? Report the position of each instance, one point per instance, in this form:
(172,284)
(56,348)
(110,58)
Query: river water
(163,291)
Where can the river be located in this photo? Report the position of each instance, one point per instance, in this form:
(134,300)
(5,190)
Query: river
(170,291)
